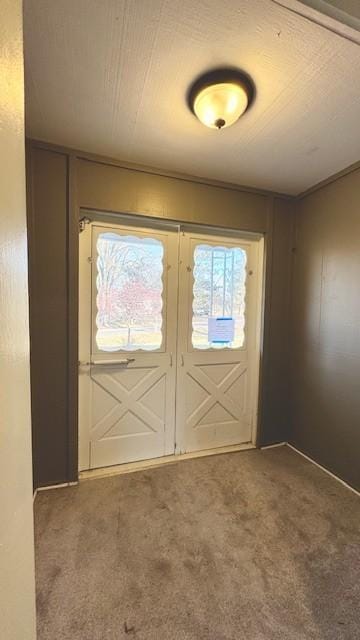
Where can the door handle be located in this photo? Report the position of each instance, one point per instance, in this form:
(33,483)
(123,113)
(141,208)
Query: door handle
(106,363)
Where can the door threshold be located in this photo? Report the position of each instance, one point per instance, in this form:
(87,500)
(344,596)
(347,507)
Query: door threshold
(142,465)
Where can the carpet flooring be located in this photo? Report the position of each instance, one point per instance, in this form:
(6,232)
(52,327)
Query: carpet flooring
(255,545)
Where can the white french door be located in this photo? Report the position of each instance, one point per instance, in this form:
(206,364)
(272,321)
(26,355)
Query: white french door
(127,340)
(218,330)
(169,325)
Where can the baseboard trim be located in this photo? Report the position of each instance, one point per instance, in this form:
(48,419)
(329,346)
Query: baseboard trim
(55,486)
(273,446)
(132,467)
(345,484)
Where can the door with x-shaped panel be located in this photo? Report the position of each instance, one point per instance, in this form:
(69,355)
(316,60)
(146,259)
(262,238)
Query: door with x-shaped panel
(168,328)
(217,342)
(127,336)
(129,411)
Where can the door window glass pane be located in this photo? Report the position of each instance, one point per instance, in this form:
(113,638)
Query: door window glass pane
(129,293)
(219,287)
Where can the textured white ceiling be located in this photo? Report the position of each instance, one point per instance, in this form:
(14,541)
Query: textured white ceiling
(110,77)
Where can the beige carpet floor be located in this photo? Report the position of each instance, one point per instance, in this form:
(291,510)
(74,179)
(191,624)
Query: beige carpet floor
(256,545)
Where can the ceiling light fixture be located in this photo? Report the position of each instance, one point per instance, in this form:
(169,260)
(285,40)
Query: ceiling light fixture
(218,98)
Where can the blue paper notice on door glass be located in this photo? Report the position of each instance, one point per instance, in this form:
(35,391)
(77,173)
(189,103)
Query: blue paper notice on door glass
(221,330)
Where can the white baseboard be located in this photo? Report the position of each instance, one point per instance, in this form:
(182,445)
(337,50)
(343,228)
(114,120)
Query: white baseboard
(55,486)
(272,446)
(345,484)
(131,467)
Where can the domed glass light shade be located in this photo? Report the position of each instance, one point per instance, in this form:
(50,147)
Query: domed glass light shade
(220,97)
(220,105)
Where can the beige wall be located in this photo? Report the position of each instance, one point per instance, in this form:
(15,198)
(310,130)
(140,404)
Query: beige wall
(61,182)
(276,413)
(321,351)
(17,615)
(326,322)
(114,188)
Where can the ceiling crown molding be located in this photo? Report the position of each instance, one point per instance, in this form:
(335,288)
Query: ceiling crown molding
(339,16)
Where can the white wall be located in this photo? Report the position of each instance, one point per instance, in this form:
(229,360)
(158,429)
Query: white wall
(17,610)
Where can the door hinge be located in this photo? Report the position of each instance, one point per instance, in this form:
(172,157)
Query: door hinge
(82,223)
